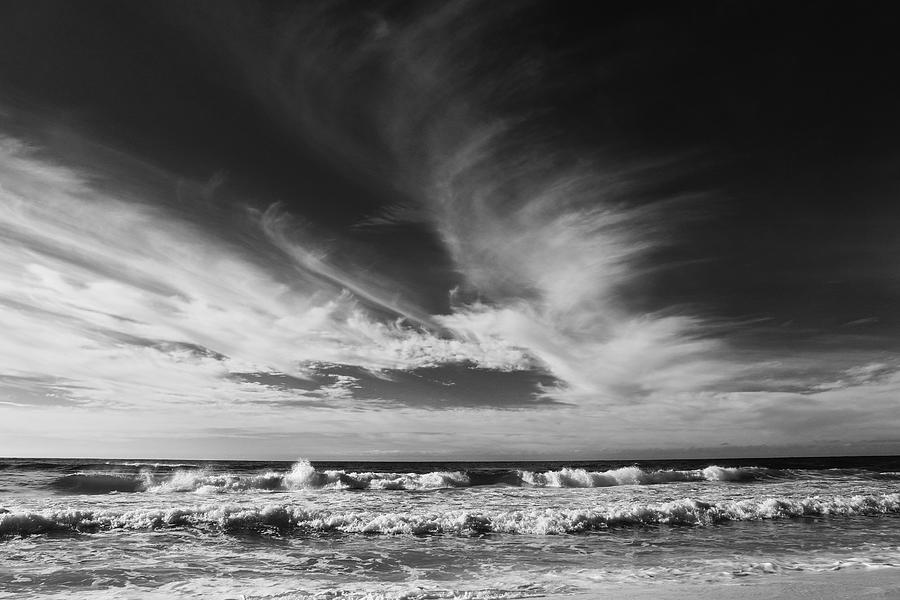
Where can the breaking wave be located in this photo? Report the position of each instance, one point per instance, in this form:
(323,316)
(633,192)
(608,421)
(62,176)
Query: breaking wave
(303,476)
(637,476)
(285,519)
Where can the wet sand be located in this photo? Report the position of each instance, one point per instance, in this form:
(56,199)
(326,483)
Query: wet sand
(874,584)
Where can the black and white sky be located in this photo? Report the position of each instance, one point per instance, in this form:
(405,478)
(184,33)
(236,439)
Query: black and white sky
(482,230)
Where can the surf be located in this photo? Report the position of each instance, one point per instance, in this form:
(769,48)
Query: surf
(304,476)
(309,519)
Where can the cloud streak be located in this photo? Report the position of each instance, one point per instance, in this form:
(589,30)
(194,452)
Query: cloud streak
(553,238)
(124,302)
(545,236)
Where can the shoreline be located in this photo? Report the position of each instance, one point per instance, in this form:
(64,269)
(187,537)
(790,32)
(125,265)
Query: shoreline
(863,584)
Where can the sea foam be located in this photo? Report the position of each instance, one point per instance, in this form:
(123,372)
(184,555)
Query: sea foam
(636,476)
(303,476)
(290,518)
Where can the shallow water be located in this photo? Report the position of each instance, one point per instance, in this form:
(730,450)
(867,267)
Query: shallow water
(414,530)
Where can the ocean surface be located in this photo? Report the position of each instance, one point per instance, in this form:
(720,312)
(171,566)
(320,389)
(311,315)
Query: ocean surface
(216,529)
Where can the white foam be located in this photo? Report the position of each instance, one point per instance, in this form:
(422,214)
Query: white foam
(303,476)
(293,518)
(633,475)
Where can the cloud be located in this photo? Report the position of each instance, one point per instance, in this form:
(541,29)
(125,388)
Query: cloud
(851,412)
(126,302)
(546,235)
(451,385)
(553,240)
(549,251)
(190,320)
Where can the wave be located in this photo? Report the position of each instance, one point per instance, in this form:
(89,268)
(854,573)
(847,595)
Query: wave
(96,483)
(155,465)
(286,519)
(637,476)
(303,476)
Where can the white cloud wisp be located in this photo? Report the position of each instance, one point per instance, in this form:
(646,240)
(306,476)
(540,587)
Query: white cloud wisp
(118,302)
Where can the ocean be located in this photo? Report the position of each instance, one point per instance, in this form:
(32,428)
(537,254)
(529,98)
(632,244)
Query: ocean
(73,528)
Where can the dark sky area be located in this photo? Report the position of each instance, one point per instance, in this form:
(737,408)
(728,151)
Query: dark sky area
(634,196)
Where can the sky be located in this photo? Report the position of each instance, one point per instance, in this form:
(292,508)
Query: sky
(448,230)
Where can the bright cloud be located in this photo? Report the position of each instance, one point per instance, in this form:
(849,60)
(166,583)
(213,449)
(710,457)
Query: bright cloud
(150,315)
(551,251)
(122,303)
(545,239)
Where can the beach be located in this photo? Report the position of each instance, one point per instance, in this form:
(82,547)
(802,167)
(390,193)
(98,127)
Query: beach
(880,584)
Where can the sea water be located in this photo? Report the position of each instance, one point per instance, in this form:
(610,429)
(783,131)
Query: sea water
(217,529)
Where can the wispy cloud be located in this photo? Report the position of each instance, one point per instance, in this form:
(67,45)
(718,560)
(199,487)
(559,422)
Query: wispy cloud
(551,238)
(550,251)
(125,302)
(112,301)
(547,238)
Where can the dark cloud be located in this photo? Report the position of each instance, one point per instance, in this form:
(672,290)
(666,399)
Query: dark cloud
(444,387)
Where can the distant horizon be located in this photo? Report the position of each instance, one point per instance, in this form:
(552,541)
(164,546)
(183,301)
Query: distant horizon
(648,458)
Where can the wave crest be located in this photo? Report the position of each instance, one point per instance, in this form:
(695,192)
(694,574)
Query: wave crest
(303,476)
(284,519)
(636,476)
